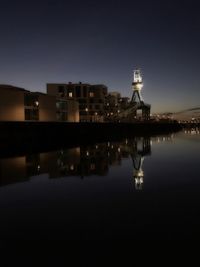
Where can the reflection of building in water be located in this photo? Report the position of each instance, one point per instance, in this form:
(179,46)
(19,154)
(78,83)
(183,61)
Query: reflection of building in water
(160,139)
(140,147)
(12,170)
(192,131)
(82,161)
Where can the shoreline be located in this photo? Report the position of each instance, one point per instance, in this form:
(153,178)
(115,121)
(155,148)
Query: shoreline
(32,137)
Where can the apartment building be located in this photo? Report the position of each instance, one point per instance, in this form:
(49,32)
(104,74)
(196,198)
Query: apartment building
(91,98)
(114,105)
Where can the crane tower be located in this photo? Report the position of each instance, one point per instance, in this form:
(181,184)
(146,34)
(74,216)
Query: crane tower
(137,100)
(137,86)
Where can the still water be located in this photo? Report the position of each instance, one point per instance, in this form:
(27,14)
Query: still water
(137,189)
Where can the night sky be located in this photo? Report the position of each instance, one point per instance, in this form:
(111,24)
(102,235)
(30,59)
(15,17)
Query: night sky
(102,42)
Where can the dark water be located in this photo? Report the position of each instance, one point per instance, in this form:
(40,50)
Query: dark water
(137,190)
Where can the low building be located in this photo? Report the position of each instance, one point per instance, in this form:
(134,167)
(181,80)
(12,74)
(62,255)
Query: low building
(18,104)
(12,103)
(91,98)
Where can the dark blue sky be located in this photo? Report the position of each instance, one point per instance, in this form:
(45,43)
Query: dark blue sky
(102,42)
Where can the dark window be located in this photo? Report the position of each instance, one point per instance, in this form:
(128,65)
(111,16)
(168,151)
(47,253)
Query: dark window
(61,105)
(78,91)
(61,89)
(82,101)
(30,100)
(96,106)
(82,107)
(61,116)
(84,91)
(32,114)
(91,100)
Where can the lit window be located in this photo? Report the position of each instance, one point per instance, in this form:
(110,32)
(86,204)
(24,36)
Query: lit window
(37,103)
(70,94)
(91,94)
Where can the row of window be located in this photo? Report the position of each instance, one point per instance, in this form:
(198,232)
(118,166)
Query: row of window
(77,91)
(90,113)
(85,107)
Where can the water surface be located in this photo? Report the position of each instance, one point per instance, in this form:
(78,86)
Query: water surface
(138,189)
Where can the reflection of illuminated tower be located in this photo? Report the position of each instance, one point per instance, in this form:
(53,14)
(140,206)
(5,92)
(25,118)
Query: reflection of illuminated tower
(137,86)
(138,175)
(139,149)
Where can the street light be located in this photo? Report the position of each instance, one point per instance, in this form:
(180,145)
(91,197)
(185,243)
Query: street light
(86,109)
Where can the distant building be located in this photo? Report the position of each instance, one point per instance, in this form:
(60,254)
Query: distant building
(114,105)
(91,98)
(18,104)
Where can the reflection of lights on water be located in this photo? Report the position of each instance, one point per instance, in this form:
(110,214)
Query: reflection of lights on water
(108,144)
(38,167)
(139,181)
(71,167)
(140,174)
(87,153)
(193,131)
(119,150)
(92,167)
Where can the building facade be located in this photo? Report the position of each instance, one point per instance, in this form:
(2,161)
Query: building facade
(114,105)
(39,107)
(11,103)
(18,104)
(91,98)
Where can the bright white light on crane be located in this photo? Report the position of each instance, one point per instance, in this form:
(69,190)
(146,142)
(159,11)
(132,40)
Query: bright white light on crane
(137,80)
(139,86)
(137,77)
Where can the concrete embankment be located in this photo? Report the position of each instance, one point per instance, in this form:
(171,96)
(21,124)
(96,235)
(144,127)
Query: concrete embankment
(40,136)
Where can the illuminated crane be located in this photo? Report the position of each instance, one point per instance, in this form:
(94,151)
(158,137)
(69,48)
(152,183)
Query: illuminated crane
(137,86)
(129,113)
